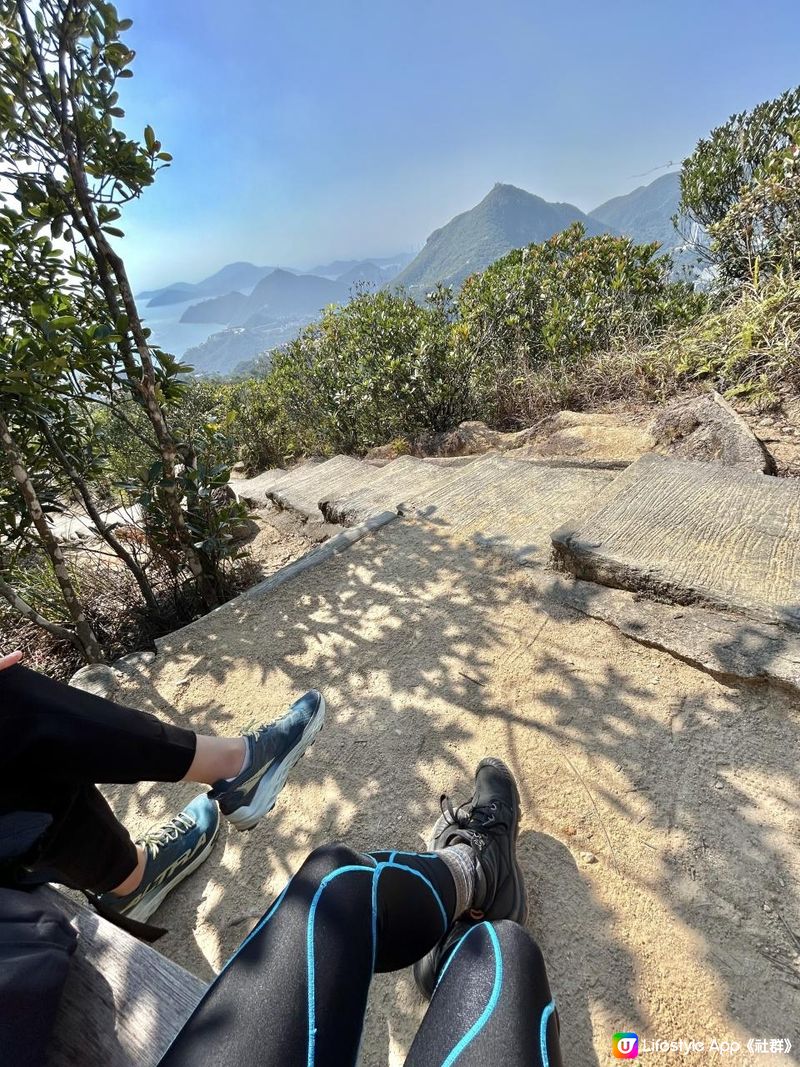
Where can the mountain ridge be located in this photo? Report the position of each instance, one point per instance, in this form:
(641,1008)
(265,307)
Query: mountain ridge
(645,213)
(507,217)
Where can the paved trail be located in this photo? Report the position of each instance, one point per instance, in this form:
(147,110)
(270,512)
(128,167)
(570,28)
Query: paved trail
(661,807)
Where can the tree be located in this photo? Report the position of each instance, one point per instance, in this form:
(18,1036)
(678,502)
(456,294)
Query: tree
(741,185)
(70,171)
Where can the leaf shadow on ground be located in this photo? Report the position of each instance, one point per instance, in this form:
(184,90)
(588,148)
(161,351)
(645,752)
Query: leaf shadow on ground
(431,654)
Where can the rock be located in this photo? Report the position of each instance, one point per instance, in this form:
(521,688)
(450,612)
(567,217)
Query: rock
(238,470)
(469,439)
(380,455)
(588,857)
(134,662)
(98,679)
(610,439)
(707,428)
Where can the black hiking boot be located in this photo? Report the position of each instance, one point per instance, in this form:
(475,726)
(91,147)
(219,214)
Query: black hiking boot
(489,824)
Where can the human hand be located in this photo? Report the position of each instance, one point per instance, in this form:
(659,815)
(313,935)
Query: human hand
(10,659)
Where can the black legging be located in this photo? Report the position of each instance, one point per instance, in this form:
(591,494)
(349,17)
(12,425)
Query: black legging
(296,990)
(55,743)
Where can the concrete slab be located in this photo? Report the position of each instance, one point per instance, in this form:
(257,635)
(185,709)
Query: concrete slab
(254,490)
(402,485)
(730,648)
(304,487)
(694,533)
(508,505)
(511,506)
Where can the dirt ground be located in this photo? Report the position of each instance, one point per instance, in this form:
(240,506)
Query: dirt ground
(662,821)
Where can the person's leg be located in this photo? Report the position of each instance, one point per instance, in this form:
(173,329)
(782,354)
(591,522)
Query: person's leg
(85,845)
(492,1003)
(296,990)
(57,733)
(56,741)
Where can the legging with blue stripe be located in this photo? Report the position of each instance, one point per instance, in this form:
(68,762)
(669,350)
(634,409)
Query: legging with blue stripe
(295,993)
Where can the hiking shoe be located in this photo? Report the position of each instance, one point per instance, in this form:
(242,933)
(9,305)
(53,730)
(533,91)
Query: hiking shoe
(173,852)
(273,750)
(489,824)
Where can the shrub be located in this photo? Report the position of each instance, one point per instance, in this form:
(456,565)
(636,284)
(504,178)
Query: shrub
(381,367)
(540,312)
(741,186)
(748,345)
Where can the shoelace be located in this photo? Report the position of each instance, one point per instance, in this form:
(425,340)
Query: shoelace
(155,839)
(485,815)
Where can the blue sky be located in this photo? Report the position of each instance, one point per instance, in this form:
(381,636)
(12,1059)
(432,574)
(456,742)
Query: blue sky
(308,131)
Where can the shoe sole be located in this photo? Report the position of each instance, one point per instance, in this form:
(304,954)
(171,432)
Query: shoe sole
(270,786)
(149,905)
(519,912)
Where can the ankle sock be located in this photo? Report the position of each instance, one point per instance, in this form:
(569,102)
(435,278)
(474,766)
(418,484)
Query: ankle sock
(460,862)
(246,763)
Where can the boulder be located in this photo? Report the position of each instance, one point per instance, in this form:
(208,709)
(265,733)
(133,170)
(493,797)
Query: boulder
(468,439)
(98,679)
(380,455)
(601,438)
(706,428)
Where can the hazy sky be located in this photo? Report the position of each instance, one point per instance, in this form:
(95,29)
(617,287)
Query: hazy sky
(319,129)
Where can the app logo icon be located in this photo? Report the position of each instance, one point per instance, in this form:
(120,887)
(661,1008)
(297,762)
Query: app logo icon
(625,1046)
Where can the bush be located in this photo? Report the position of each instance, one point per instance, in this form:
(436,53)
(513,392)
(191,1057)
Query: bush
(381,367)
(747,346)
(539,313)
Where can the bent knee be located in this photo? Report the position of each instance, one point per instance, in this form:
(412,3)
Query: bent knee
(516,939)
(326,859)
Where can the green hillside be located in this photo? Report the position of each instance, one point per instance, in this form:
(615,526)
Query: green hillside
(506,218)
(645,214)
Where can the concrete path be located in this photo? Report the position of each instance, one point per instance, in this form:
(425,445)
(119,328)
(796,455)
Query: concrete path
(660,838)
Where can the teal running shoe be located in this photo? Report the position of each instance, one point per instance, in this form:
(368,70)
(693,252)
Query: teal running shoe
(173,852)
(273,750)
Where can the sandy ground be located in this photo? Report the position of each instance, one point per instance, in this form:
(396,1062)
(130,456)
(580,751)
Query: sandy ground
(661,828)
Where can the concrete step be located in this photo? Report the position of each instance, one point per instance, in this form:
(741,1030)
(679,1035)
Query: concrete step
(506,504)
(402,485)
(254,490)
(511,506)
(694,533)
(302,488)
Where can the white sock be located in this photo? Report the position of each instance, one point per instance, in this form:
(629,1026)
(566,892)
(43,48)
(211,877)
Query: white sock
(245,763)
(460,862)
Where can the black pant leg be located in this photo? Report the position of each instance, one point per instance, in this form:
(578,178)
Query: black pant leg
(295,992)
(492,1005)
(55,743)
(51,732)
(85,846)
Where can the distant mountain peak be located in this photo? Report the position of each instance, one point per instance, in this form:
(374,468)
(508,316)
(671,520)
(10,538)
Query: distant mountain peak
(507,217)
(645,213)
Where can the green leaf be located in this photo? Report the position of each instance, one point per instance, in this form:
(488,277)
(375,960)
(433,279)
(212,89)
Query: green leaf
(150,138)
